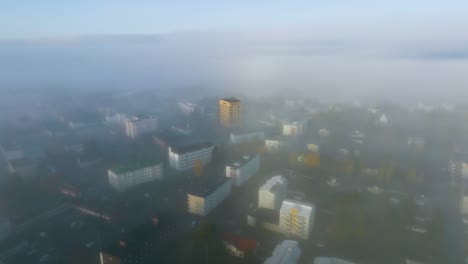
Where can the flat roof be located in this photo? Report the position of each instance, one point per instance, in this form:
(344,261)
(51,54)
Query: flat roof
(303,209)
(288,252)
(273,182)
(203,187)
(230,100)
(191,147)
(266,215)
(133,165)
(241,161)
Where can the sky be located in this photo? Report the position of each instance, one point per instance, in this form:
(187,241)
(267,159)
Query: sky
(396,49)
(58,18)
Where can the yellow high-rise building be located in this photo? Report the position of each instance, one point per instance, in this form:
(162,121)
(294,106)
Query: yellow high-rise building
(229,111)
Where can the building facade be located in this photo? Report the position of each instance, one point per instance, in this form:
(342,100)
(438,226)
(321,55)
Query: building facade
(246,137)
(183,158)
(288,252)
(293,129)
(229,111)
(242,170)
(207,195)
(140,125)
(272,193)
(296,219)
(126,177)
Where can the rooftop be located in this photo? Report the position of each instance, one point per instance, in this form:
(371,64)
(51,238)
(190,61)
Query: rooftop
(191,148)
(133,165)
(266,215)
(203,187)
(326,260)
(303,209)
(231,100)
(288,252)
(273,183)
(240,243)
(242,160)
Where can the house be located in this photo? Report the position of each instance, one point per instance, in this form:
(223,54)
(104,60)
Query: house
(238,246)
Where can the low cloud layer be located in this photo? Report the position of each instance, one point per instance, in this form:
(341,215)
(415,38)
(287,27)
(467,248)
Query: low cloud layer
(425,65)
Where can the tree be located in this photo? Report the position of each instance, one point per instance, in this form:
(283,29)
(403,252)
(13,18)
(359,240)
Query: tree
(198,167)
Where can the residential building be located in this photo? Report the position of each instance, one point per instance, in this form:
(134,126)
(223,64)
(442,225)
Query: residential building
(416,142)
(274,144)
(105,258)
(265,218)
(243,169)
(383,120)
(24,168)
(293,128)
(326,260)
(11,152)
(229,111)
(272,193)
(296,219)
(187,108)
(238,246)
(206,194)
(129,175)
(140,125)
(242,137)
(288,252)
(183,158)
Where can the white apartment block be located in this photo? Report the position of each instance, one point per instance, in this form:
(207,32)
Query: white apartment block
(246,137)
(126,177)
(242,170)
(296,219)
(272,193)
(207,195)
(293,129)
(288,252)
(183,158)
(140,125)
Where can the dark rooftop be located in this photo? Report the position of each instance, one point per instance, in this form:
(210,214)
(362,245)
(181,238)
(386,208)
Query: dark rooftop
(266,215)
(231,100)
(206,186)
(190,148)
(240,161)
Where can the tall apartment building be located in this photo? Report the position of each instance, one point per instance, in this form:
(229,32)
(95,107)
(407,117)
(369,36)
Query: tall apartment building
(296,219)
(229,111)
(272,193)
(140,125)
(206,195)
(183,158)
(288,252)
(124,177)
(243,169)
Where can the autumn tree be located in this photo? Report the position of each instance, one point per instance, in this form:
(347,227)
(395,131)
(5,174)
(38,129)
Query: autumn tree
(198,167)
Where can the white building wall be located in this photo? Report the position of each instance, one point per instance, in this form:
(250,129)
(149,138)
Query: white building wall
(204,205)
(272,193)
(242,174)
(126,180)
(185,161)
(134,128)
(247,137)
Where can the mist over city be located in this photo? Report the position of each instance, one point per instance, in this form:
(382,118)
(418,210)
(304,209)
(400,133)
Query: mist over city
(135,132)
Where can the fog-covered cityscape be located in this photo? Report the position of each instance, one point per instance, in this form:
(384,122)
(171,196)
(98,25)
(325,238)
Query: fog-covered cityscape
(243,133)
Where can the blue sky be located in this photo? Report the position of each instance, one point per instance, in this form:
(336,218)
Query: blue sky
(56,18)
